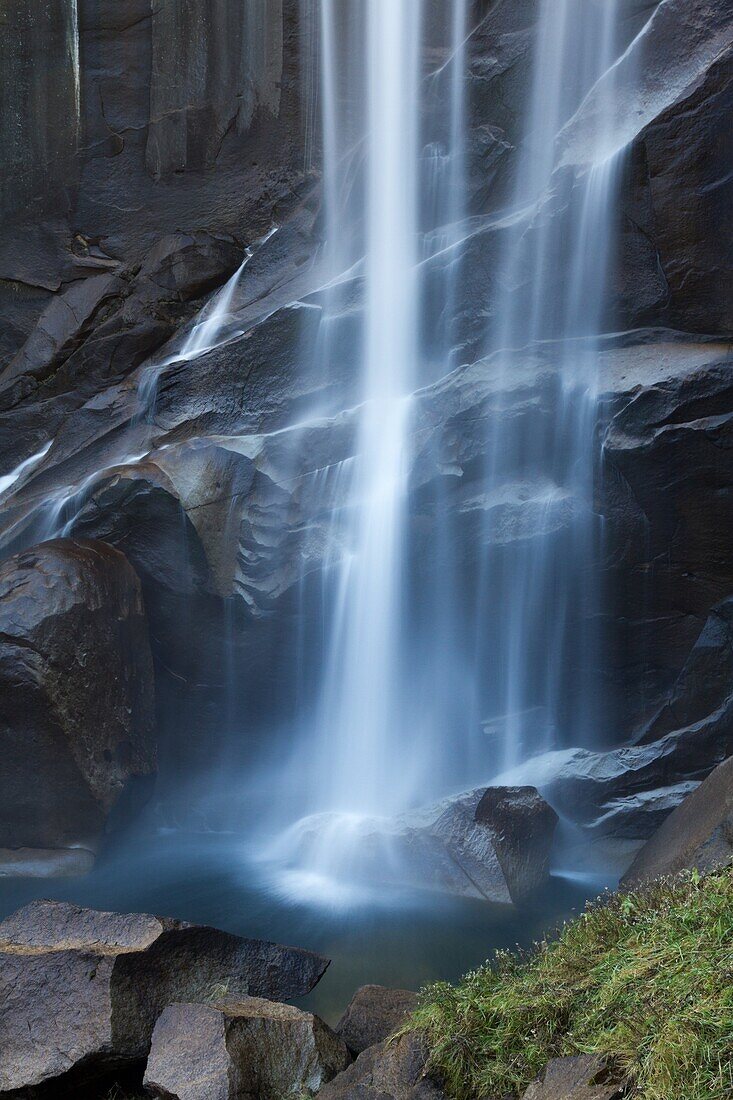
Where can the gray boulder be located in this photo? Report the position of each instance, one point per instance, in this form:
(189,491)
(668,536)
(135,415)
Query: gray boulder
(699,833)
(586,1077)
(251,1048)
(522,825)
(373,1014)
(388,1071)
(76,694)
(80,990)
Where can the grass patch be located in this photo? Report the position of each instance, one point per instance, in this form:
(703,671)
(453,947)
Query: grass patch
(645,979)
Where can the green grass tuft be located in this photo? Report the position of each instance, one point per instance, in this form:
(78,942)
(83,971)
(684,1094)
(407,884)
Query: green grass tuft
(645,979)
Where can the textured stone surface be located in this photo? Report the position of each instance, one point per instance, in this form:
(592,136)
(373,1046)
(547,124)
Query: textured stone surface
(388,1071)
(522,825)
(234,1049)
(698,834)
(177,116)
(80,990)
(373,1014)
(76,693)
(583,1078)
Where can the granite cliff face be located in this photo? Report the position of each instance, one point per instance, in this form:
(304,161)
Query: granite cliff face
(161,140)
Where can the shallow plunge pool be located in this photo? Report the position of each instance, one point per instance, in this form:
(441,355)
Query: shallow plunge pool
(385,936)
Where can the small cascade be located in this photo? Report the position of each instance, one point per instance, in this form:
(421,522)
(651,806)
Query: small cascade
(74,56)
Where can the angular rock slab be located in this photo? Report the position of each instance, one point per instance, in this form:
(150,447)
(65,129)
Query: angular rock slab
(586,1077)
(499,837)
(373,1014)
(242,1049)
(522,826)
(388,1071)
(698,834)
(81,990)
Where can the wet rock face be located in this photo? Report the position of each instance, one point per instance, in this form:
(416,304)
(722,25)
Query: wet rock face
(699,834)
(666,495)
(213,68)
(94,335)
(235,1049)
(81,991)
(126,123)
(687,150)
(76,693)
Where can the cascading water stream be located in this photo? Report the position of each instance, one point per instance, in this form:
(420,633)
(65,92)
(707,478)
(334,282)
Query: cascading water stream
(360,708)
(402,660)
(555,272)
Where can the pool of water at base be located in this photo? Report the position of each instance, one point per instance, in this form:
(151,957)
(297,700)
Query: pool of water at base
(390,937)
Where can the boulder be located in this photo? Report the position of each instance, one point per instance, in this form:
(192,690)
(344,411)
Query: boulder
(249,1048)
(698,834)
(373,1014)
(388,1071)
(499,837)
(522,824)
(76,694)
(81,990)
(586,1077)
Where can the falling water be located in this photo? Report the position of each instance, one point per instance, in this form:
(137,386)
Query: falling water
(410,670)
(360,707)
(555,270)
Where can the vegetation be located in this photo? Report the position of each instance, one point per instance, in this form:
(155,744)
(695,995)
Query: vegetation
(644,979)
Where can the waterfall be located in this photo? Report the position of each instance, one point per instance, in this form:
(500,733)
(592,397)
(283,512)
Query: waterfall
(360,706)
(554,270)
(428,680)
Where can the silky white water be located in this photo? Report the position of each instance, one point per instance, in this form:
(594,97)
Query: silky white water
(422,686)
(554,270)
(360,704)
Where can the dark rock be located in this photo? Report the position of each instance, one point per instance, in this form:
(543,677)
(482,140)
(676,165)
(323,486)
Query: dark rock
(98,333)
(80,990)
(211,72)
(667,500)
(586,1077)
(688,150)
(699,834)
(76,693)
(504,847)
(704,684)
(388,1071)
(233,1049)
(373,1014)
(626,793)
(523,825)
